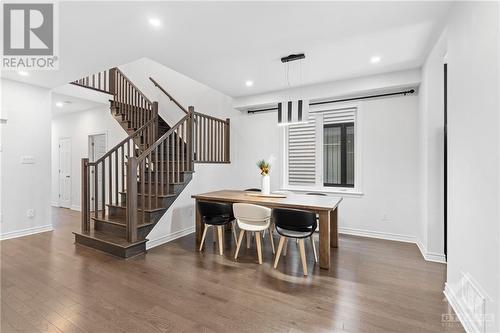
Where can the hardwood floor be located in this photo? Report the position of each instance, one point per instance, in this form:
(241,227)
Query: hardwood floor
(50,285)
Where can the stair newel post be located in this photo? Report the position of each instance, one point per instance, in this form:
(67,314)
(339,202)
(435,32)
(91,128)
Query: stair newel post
(111,78)
(131,226)
(155,125)
(85,197)
(189,139)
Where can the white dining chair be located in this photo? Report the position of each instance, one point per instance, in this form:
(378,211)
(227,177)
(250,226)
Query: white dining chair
(255,219)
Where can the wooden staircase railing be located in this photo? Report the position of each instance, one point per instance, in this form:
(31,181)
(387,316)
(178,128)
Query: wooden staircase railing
(127,190)
(168,158)
(106,177)
(99,81)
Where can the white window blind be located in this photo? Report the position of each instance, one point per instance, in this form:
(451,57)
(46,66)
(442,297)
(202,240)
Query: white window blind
(339,116)
(302,153)
(302,139)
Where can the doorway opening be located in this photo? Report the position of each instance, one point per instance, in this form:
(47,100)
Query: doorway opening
(65,172)
(97,149)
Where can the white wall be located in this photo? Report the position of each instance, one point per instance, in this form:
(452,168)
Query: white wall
(431,152)
(78,126)
(179,219)
(389,167)
(473,95)
(26,133)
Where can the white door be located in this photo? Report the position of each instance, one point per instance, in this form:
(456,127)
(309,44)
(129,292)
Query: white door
(65,172)
(97,149)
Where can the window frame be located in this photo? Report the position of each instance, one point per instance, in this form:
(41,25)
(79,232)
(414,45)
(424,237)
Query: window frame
(356,190)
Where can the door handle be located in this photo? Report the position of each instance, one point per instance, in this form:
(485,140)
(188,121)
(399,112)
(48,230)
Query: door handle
(67,176)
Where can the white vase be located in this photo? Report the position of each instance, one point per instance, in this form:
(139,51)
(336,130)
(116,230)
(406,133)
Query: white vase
(266,185)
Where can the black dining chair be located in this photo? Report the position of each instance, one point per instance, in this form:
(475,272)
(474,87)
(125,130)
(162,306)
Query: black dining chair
(253,190)
(298,224)
(216,215)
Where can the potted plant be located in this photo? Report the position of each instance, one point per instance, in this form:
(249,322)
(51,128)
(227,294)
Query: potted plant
(265,169)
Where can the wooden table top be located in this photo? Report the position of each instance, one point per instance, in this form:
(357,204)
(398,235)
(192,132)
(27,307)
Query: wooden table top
(293,200)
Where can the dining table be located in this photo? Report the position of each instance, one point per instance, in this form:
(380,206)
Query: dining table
(326,207)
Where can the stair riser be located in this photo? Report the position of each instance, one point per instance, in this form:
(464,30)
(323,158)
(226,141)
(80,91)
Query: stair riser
(110,248)
(153,176)
(162,202)
(150,217)
(121,231)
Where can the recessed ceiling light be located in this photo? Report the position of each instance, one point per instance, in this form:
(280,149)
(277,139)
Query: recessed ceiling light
(155,22)
(59,104)
(375,59)
(23,73)
(249,83)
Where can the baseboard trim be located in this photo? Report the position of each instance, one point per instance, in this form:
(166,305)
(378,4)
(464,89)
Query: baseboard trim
(431,256)
(428,256)
(378,234)
(168,238)
(76,207)
(459,309)
(26,232)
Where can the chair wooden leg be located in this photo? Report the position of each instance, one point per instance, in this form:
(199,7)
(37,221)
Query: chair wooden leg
(233,228)
(314,249)
(248,237)
(203,236)
(214,231)
(272,240)
(238,244)
(278,253)
(259,248)
(286,246)
(221,240)
(303,255)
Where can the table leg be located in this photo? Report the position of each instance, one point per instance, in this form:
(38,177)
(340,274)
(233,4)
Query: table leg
(198,225)
(324,239)
(334,234)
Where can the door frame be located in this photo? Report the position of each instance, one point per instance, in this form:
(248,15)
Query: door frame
(445,158)
(59,169)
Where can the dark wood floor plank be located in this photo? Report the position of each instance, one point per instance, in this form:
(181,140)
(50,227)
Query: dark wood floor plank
(372,286)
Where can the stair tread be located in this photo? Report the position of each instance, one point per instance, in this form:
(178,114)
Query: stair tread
(167,195)
(118,221)
(154,209)
(110,238)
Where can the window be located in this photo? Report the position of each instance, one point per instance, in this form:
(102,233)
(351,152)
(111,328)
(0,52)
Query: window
(338,155)
(321,154)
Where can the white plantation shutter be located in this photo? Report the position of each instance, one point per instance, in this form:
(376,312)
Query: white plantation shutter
(339,116)
(302,153)
(302,144)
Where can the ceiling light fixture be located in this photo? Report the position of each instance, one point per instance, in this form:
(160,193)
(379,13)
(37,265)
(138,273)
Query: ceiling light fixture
(293,110)
(23,73)
(155,22)
(375,59)
(249,83)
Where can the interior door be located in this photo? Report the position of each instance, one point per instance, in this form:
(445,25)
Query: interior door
(97,149)
(65,172)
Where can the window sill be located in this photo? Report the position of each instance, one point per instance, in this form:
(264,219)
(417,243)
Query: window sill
(341,191)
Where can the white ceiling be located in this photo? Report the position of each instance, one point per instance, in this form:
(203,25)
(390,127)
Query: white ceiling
(223,44)
(72,104)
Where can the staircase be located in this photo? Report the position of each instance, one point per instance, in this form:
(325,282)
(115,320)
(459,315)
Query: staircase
(128,190)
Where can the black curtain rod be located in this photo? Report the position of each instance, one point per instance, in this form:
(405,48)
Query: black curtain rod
(404,92)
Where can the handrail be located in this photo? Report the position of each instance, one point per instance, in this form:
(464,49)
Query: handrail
(131,136)
(161,139)
(169,96)
(209,117)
